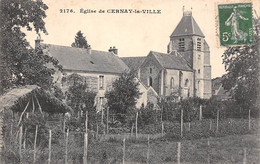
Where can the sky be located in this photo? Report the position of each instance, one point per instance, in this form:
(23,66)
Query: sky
(134,34)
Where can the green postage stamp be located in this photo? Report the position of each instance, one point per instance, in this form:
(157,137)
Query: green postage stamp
(235,24)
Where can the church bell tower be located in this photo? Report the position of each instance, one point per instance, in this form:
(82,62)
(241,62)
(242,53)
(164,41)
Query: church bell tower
(188,39)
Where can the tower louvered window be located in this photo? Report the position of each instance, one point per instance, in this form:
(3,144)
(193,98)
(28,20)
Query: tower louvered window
(199,44)
(181,44)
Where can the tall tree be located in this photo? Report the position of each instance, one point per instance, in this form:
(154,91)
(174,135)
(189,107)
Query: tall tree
(80,41)
(122,97)
(242,66)
(23,65)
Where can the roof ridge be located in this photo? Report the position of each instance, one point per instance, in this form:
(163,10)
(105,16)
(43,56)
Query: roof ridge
(75,47)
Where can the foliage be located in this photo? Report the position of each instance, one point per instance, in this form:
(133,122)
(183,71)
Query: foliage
(242,66)
(23,65)
(122,97)
(148,116)
(80,41)
(77,96)
(80,99)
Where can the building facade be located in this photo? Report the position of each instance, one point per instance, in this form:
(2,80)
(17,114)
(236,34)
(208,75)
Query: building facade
(188,40)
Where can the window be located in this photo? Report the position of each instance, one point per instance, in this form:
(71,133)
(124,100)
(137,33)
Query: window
(199,44)
(198,86)
(180,79)
(172,83)
(151,70)
(198,70)
(199,56)
(181,44)
(150,81)
(186,83)
(101,82)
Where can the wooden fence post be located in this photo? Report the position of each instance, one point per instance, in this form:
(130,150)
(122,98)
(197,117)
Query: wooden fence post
(66,147)
(162,129)
(148,148)
(210,124)
(34,146)
(244,158)
(85,157)
(64,127)
(49,158)
(124,151)
(132,130)
(208,159)
(249,119)
(200,116)
(181,123)
(179,153)
(217,119)
(20,142)
(86,122)
(107,118)
(97,132)
(136,125)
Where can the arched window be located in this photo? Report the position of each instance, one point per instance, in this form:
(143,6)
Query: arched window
(150,81)
(151,70)
(186,83)
(172,83)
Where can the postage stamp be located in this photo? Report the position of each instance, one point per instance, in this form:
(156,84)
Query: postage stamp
(235,24)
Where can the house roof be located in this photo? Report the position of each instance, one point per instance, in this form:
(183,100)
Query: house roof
(187,26)
(79,59)
(174,60)
(17,97)
(219,90)
(133,62)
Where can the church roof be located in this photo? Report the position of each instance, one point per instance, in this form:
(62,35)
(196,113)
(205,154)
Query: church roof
(174,60)
(187,26)
(79,59)
(133,62)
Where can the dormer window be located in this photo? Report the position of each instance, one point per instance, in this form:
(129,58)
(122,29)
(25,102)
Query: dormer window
(181,44)
(199,44)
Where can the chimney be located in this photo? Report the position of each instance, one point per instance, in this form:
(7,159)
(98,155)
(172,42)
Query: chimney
(114,50)
(38,42)
(174,52)
(89,49)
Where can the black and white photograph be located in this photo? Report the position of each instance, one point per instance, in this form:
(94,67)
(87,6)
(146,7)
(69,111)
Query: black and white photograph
(129,82)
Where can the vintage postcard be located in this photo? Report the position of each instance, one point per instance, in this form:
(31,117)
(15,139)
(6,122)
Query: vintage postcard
(129,81)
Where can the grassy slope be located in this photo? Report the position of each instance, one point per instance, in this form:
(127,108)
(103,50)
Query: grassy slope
(227,149)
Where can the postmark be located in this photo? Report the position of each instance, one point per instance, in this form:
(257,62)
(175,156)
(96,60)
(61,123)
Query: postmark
(235,24)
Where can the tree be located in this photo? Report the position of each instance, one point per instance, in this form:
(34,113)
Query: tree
(122,97)
(80,41)
(22,64)
(242,66)
(78,97)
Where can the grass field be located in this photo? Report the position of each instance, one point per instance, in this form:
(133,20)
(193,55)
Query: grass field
(227,149)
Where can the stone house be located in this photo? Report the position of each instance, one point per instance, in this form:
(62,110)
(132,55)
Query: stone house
(98,68)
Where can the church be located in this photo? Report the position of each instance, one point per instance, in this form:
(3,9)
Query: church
(185,69)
